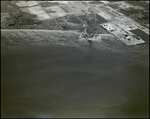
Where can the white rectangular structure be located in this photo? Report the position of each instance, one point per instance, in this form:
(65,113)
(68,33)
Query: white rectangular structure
(36,10)
(56,12)
(32,3)
(25,10)
(43,16)
(76,6)
(21,4)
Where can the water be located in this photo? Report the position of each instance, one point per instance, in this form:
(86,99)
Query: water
(101,80)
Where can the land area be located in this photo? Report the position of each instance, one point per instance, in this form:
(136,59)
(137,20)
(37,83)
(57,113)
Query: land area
(72,15)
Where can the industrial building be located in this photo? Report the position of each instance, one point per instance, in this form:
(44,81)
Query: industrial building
(122,35)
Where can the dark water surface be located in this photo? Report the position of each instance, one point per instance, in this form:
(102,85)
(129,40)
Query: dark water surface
(58,81)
